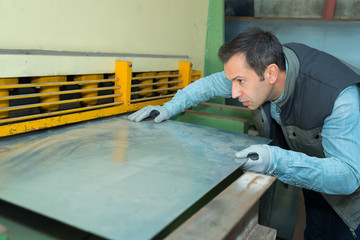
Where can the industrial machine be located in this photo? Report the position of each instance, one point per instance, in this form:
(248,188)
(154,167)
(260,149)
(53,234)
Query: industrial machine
(62,100)
(116,179)
(73,167)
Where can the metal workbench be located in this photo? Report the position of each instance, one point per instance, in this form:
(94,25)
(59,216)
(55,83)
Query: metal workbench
(118,179)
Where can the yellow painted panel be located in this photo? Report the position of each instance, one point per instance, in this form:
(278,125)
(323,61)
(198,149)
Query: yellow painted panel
(89,85)
(52,98)
(145,81)
(123,71)
(28,126)
(185,69)
(5,92)
(196,74)
(164,79)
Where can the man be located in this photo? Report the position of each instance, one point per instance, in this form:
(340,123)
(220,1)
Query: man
(307,102)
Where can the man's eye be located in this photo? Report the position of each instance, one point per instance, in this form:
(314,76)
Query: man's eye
(240,81)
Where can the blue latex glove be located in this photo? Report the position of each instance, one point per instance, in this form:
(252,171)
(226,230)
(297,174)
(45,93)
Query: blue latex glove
(260,165)
(160,113)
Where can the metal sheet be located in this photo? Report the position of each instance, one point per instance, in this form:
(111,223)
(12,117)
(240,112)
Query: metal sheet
(115,178)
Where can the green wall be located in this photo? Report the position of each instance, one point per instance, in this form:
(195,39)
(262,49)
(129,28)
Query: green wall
(214,37)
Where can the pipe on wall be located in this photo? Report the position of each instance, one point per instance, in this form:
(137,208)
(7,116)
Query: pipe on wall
(329,9)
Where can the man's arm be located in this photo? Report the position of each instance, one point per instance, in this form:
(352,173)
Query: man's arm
(214,85)
(339,171)
(201,90)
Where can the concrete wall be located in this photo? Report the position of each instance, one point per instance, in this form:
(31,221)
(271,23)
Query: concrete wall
(340,39)
(87,36)
(288,8)
(345,9)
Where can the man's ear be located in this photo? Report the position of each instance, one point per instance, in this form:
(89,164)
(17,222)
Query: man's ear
(271,73)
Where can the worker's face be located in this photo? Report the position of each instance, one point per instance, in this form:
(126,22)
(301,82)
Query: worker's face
(246,84)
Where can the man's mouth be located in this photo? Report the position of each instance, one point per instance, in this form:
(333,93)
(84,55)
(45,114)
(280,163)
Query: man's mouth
(246,103)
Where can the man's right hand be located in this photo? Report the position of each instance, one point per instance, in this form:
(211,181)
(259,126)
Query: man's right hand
(161,112)
(259,165)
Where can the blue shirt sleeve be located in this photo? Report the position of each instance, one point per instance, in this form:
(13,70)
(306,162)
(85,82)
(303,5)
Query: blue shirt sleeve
(339,171)
(215,85)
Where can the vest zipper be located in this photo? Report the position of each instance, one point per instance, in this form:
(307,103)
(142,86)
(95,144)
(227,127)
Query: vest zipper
(353,232)
(284,132)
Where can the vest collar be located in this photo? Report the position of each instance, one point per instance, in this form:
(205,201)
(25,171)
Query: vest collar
(291,75)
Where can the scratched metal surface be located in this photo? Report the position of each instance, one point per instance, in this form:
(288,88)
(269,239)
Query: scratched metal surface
(115,178)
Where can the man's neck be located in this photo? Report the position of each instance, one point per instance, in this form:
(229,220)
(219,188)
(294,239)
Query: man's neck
(279,86)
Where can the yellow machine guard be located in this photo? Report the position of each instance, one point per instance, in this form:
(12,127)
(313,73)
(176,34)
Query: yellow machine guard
(130,92)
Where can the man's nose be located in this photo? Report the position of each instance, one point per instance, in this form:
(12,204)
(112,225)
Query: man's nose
(236,91)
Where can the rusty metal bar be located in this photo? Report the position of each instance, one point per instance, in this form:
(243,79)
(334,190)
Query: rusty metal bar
(56,102)
(157,83)
(56,93)
(156,76)
(156,90)
(195,75)
(56,83)
(151,98)
(221,218)
(49,114)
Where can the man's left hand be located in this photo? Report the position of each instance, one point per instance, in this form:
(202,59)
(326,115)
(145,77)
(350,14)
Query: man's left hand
(262,164)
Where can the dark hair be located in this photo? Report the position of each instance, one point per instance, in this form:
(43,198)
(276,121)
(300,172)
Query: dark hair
(261,49)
